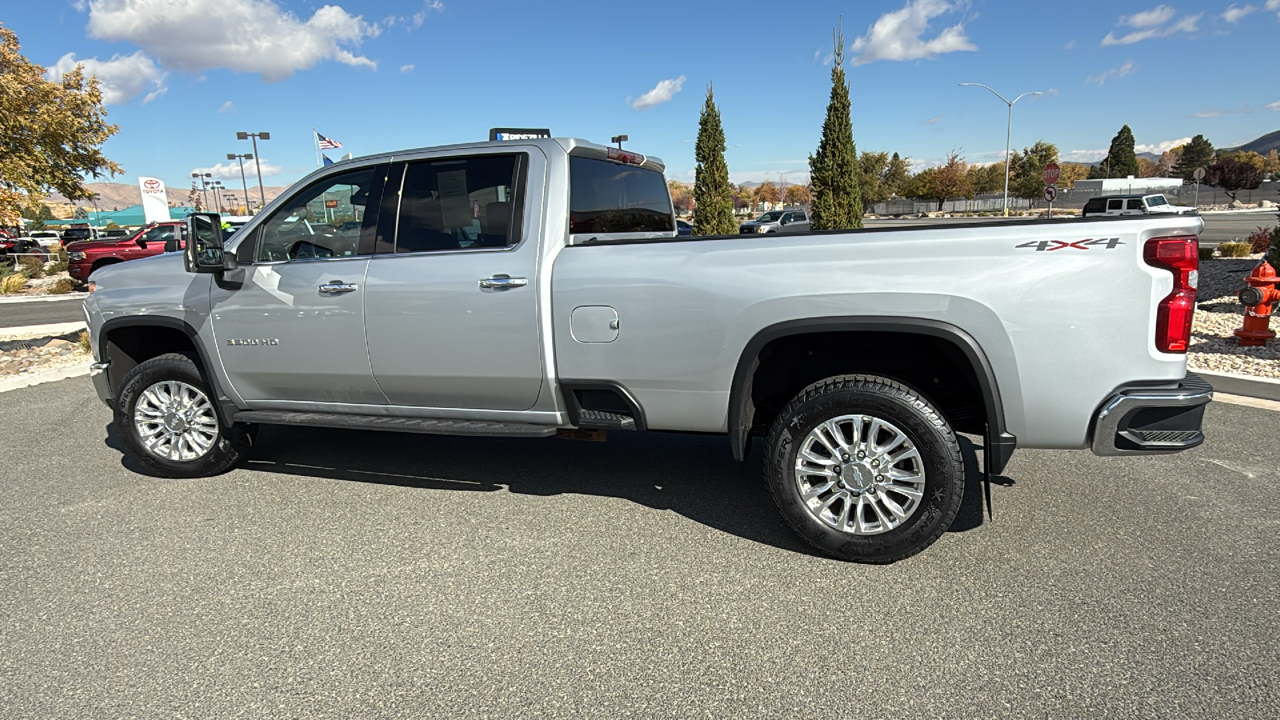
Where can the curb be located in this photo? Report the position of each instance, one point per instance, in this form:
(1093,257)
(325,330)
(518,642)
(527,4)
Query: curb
(44,376)
(1261,388)
(44,298)
(31,332)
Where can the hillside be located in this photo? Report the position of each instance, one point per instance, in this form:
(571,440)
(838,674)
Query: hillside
(1263,145)
(117,196)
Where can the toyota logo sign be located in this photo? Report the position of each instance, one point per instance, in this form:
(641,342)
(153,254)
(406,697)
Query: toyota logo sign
(152,185)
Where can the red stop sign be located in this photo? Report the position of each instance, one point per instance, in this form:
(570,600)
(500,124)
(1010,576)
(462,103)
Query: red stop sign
(1051,174)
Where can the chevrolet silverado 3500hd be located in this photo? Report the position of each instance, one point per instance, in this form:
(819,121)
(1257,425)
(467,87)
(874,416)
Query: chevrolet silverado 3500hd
(520,288)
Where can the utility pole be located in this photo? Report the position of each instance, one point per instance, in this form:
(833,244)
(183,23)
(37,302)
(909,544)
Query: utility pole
(1008,136)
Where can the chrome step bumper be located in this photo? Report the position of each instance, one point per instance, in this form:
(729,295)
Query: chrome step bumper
(1145,420)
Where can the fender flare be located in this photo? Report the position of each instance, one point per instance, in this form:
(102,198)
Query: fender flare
(1000,444)
(223,403)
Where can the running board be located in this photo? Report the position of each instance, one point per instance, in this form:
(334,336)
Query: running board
(394,424)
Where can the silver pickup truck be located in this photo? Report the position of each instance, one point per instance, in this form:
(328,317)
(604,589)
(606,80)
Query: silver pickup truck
(523,288)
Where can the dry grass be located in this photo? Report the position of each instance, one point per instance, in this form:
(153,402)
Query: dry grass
(86,344)
(11,284)
(1234,250)
(62,286)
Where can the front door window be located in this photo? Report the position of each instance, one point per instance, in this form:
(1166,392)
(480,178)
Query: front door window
(322,221)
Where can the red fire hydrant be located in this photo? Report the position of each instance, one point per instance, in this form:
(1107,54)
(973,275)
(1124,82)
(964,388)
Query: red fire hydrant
(1257,300)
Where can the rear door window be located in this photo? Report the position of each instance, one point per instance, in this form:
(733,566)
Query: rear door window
(611,198)
(459,204)
(1115,205)
(1135,204)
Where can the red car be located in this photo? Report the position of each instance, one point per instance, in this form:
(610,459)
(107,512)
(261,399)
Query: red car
(88,255)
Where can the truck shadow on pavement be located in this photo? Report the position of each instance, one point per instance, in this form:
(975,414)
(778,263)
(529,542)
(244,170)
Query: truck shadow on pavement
(692,475)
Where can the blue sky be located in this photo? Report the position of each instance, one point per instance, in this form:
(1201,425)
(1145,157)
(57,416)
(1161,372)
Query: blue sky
(393,74)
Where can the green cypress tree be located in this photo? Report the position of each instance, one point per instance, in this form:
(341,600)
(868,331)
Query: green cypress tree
(1196,154)
(1121,161)
(833,171)
(712,193)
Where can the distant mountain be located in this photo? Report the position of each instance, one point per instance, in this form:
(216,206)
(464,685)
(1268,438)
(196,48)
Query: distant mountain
(113,196)
(1263,145)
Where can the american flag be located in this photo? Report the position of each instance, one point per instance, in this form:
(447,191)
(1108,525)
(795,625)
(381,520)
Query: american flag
(327,143)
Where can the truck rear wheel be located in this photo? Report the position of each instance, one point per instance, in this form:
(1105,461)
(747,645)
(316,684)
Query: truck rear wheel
(864,469)
(166,418)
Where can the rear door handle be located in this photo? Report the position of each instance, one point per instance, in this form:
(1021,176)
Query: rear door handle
(337,287)
(503,282)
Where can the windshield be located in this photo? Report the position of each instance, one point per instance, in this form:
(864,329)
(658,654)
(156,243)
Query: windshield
(770,217)
(1156,201)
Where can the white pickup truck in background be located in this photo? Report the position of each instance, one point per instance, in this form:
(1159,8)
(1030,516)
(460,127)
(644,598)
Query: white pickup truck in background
(521,288)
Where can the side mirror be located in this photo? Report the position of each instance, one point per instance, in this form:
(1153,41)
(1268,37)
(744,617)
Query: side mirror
(203,253)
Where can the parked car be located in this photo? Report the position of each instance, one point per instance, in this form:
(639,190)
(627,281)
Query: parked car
(48,239)
(1116,205)
(78,233)
(12,249)
(116,233)
(84,257)
(777,221)
(463,307)
(683,229)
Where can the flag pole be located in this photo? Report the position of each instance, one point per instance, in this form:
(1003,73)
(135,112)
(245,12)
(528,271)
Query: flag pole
(315,140)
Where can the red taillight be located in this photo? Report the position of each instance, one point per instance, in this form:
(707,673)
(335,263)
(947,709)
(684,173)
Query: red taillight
(1181,256)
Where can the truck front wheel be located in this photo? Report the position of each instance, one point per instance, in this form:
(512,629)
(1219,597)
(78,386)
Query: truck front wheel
(864,469)
(165,416)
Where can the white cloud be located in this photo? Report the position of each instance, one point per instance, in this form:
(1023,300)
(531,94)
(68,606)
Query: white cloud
(1233,14)
(122,78)
(1161,147)
(427,6)
(1157,15)
(1218,112)
(1273,6)
(1071,45)
(1116,72)
(231,170)
(662,92)
(406,68)
(256,36)
(1275,106)
(1084,156)
(932,120)
(1158,22)
(898,35)
(227,107)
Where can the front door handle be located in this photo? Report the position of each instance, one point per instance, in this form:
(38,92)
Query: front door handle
(337,287)
(503,282)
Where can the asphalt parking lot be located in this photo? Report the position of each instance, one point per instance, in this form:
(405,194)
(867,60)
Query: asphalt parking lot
(375,575)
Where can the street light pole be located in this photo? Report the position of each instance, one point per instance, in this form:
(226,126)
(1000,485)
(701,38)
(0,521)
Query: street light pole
(257,163)
(1008,135)
(619,139)
(243,183)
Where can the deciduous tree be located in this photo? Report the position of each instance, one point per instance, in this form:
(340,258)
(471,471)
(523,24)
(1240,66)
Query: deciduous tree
(1070,173)
(768,193)
(712,193)
(51,133)
(833,170)
(1028,176)
(797,195)
(986,178)
(950,180)
(1235,171)
(896,176)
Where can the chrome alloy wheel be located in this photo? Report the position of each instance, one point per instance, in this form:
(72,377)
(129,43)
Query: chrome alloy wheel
(860,474)
(175,421)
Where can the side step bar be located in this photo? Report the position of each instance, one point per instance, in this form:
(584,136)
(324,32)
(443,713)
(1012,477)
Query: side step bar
(395,424)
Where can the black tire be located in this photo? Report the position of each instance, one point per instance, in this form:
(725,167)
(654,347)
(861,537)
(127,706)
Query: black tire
(924,427)
(231,445)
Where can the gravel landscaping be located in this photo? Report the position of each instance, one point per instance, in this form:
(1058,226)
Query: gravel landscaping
(1218,315)
(19,357)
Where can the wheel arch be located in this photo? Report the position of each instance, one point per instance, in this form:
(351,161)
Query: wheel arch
(999,442)
(127,343)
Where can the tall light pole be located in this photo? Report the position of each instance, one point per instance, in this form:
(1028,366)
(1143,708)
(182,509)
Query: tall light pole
(1007,136)
(243,183)
(217,194)
(204,185)
(619,139)
(258,163)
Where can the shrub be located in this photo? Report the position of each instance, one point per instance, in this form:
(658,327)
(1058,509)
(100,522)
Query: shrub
(59,265)
(1234,249)
(1273,256)
(1259,240)
(13,283)
(61,287)
(31,267)
(1206,253)
(86,344)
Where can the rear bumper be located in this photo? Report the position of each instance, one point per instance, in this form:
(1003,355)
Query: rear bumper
(1144,420)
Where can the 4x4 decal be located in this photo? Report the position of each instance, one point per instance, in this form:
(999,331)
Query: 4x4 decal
(1051,245)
